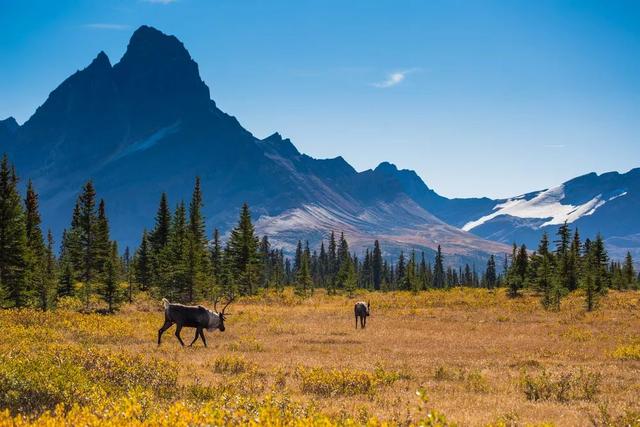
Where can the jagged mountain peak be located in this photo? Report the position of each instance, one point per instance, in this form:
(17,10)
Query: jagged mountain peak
(9,125)
(101,60)
(386,167)
(283,146)
(158,78)
(148,43)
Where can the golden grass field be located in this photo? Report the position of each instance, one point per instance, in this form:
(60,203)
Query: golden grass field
(476,356)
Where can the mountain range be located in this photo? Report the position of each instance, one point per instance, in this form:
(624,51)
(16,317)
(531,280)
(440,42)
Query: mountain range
(147,124)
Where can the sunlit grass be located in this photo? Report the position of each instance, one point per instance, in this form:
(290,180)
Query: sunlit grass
(474,355)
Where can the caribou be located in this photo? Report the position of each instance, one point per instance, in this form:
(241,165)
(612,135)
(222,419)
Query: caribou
(362,311)
(191,316)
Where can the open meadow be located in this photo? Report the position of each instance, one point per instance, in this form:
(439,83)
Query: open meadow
(464,356)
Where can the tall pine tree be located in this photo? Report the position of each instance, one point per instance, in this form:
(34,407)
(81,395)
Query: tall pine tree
(38,282)
(438,270)
(243,253)
(13,239)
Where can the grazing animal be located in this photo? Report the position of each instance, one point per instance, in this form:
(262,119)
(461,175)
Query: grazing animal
(192,317)
(362,311)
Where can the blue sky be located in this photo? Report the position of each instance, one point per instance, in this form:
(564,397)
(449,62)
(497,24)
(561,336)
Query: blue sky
(484,97)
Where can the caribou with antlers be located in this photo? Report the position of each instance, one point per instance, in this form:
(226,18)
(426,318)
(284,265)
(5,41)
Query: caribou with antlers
(193,316)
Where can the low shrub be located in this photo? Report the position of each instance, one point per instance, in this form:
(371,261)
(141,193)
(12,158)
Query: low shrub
(68,375)
(577,335)
(627,352)
(561,387)
(35,384)
(124,371)
(231,365)
(476,382)
(246,345)
(345,382)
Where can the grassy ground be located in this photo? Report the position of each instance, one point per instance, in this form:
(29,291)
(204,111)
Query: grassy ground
(477,356)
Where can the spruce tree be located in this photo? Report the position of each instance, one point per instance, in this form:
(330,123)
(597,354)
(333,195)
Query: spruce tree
(172,263)
(71,246)
(307,254)
(143,263)
(35,254)
(401,270)
(243,248)
(48,292)
(548,283)
(332,256)
(87,225)
(517,274)
(127,270)
(196,219)
(110,290)
(575,262)
(423,276)
(629,272)
(438,270)
(467,276)
(599,263)
(618,280)
(522,263)
(323,265)
(297,261)
(589,282)
(346,277)
(266,261)
(288,274)
(199,283)
(13,239)
(490,274)
(102,243)
(410,280)
(343,250)
(563,256)
(66,280)
(350,276)
(376,266)
(304,284)
(216,257)
(366,276)
(512,277)
(84,227)
(159,237)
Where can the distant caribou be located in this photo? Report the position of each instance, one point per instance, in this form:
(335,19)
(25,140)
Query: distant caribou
(192,317)
(362,311)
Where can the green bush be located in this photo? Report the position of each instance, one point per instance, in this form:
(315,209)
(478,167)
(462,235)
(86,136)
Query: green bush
(561,387)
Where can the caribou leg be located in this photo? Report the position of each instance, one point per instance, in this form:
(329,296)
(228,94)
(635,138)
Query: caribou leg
(167,325)
(178,329)
(196,337)
(202,336)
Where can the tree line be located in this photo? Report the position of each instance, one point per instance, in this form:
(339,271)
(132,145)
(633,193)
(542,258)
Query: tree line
(570,265)
(177,260)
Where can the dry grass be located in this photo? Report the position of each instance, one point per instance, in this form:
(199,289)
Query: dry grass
(480,357)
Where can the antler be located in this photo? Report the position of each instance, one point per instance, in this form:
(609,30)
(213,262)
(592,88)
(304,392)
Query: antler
(232,297)
(215,303)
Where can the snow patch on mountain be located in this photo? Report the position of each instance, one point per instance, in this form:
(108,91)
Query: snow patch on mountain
(546,204)
(149,142)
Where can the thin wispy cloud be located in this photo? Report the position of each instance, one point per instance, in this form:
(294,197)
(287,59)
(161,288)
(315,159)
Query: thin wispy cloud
(394,79)
(106,26)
